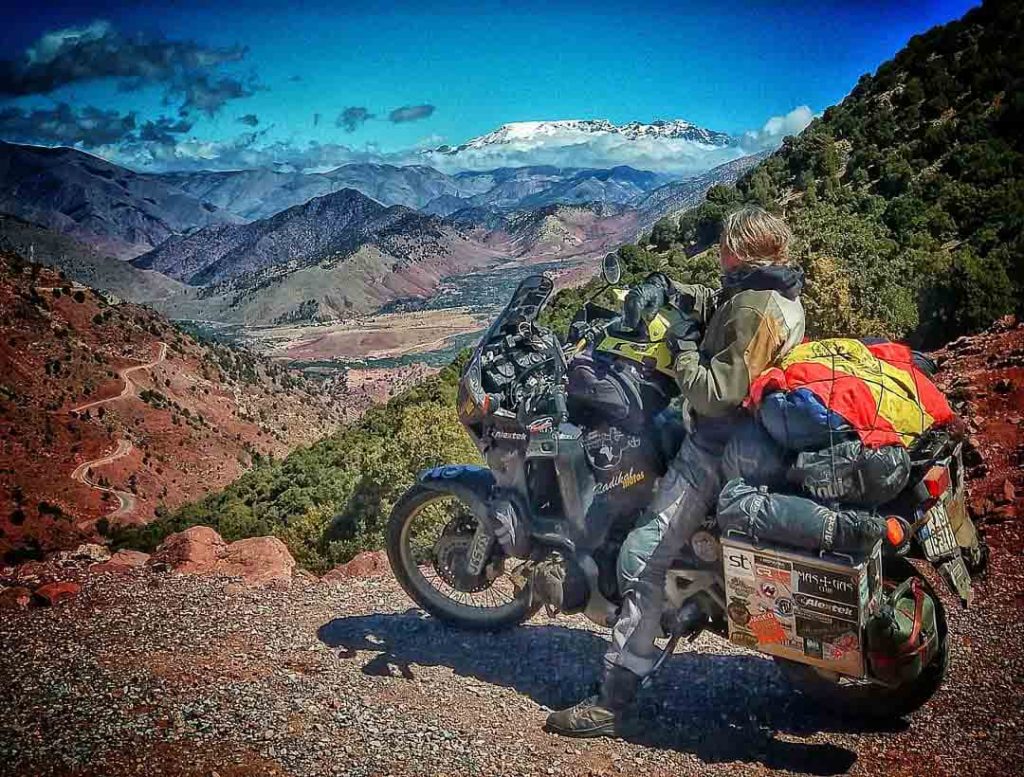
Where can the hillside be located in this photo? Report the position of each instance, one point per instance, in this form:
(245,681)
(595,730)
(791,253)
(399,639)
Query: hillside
(331,499)
(337,255)
(110,208)
(673,198)
(162,418)
(907,197)
(81,263)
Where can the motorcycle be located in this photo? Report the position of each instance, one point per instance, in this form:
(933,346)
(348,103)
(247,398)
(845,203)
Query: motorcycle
(576,435)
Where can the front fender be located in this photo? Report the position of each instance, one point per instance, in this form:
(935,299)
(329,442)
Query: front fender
(471,483)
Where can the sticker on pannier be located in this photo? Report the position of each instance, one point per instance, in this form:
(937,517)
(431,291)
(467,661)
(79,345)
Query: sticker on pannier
(800,606)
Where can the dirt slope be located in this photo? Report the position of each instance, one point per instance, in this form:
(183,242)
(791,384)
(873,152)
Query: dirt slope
(81,377)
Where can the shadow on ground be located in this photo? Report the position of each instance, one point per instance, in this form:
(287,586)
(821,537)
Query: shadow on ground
(722,708)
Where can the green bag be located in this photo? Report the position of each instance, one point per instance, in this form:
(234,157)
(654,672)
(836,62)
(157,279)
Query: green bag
(904,637)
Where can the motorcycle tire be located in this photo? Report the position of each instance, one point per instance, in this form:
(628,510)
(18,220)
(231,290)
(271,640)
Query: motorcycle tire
(870,700)
(410,576)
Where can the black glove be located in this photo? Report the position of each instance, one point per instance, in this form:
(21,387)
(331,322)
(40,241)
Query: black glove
(645,300)
(685,335)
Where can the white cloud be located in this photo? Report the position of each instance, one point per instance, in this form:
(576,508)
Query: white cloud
(682,157)
(776,128)
(672,155)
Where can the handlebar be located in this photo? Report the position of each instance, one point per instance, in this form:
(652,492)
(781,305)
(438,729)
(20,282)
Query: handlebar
(589,337)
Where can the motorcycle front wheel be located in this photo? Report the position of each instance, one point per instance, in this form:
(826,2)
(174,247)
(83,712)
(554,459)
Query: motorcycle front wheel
(428,540)
(869,700)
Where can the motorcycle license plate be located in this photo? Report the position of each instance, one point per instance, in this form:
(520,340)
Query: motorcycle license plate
(936,534)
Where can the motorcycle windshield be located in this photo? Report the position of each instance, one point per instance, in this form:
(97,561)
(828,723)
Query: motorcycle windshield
(526,304)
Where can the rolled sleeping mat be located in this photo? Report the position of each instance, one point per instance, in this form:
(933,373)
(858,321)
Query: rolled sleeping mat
(786,519)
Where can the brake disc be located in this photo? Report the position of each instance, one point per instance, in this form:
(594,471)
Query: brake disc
(451,557)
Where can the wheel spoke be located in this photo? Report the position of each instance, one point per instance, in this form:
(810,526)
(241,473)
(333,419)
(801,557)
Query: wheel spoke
(446,520)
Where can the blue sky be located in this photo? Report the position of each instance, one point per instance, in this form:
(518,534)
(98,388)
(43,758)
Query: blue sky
(726,66)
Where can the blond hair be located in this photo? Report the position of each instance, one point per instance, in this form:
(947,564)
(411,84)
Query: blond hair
(756,237)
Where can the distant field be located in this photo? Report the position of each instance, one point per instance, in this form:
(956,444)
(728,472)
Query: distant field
(405,332)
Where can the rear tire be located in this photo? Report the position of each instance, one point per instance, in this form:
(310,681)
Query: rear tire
(409,573)
(871,700)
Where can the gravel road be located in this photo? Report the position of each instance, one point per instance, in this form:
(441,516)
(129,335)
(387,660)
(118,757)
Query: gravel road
(152,673)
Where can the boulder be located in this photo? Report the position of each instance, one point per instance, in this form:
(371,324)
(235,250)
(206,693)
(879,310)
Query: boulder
(122,561)
(53,594)
(15,598)
(370,563)
(194,551)
(88,552)
(258,561)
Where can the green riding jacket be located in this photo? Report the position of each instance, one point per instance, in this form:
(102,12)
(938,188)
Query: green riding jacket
(752,322)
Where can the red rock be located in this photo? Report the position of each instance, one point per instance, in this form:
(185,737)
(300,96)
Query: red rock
(1002,514)
(980,506)
(53,594)
(15,598)
(258,561)
(1009,492)
(122,561)
(193,551)
(370,563)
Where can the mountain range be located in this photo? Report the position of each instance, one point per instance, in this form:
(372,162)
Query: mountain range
(335,256)
(678,147)
(266,246)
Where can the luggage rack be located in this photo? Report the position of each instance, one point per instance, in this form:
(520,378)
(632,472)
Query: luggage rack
(845,558)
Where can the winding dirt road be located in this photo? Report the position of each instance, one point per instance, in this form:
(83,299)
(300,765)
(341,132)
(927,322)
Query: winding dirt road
(83,470)
(124,447)
(129,386)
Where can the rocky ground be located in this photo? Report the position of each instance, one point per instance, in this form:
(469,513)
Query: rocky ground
(176,665)
(151,672)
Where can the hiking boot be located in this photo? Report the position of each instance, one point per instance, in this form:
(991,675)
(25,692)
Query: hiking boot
(597,716)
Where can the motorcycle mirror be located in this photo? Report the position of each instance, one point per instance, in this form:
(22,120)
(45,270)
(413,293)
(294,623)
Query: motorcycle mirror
(611,270)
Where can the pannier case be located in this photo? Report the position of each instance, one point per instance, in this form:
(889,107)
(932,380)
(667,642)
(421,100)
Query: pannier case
(799,605)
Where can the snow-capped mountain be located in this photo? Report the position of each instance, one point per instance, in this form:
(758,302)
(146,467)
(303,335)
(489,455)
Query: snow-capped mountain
(678,147)
(570,130)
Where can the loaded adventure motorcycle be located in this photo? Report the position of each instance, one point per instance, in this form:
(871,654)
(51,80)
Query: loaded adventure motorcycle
(575,437)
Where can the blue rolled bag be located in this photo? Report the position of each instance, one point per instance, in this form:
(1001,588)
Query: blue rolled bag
(798,421)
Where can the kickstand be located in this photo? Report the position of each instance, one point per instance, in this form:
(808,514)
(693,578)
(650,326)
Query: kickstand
(669,650)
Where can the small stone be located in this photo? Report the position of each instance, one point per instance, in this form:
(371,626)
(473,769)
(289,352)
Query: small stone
(371,563)
(52,594)
(122,561)
(1009,492)
(88,551)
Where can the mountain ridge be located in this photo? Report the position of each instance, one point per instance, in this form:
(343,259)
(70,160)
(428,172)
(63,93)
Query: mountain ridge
(110,207)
